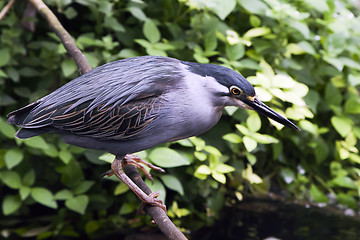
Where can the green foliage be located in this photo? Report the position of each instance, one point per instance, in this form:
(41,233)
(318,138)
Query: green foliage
(301,56)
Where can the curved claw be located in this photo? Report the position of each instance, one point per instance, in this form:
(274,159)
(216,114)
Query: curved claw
(152,200)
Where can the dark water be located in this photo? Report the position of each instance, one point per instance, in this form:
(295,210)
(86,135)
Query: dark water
(275,220)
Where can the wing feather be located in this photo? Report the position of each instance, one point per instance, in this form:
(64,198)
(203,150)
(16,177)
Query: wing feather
(115,101)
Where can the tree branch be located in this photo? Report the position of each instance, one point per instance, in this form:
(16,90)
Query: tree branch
(157,213)
(6,8)
(65,37)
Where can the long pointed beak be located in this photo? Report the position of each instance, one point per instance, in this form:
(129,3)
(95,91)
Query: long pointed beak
(260,107)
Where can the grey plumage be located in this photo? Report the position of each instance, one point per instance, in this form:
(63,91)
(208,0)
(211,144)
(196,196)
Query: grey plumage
(136,103)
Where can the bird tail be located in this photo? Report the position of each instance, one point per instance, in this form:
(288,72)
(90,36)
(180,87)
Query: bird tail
(18,118)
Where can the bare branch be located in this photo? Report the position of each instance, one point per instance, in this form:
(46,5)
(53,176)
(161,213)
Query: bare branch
(65,37)
(157,213)
(6,8)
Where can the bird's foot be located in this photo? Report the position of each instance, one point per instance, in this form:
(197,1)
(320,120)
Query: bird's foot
(137,161)
(152,200)
(117,169)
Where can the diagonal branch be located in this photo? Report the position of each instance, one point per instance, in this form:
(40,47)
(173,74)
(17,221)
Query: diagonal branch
(157,213)
(65,37)
(6,8)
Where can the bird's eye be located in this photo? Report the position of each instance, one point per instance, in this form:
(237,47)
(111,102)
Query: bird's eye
(235,90)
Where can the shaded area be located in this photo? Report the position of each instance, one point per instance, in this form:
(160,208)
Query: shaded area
(276,220)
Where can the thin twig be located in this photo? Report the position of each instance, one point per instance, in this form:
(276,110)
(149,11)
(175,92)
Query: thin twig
(6,8)
(65,37)
(157,213)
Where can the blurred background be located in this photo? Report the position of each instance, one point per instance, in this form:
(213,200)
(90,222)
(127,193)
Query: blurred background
(247,178)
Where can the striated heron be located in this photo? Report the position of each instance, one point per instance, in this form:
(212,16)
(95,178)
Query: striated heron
(133,104)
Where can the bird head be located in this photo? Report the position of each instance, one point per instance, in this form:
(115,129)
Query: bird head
(235,90)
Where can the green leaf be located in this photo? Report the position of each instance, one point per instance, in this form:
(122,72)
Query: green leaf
(63,194)
(344,181)
(173,183)
(307,47)
(24,192)
(72,174)
(319,5)
(92,226)
(233,138)
(65,156)
(156,52)
(317,195)
(201,156)
(301,27)
(121,188)
(249,175)
(255,21)
(13,157)
(203,169)
(151,31)
(3,74)
(113,23)
(354,80)
(107,157)
(167,158)
(224,168)
(126,208)
(28,72)
(235,52)
(342,125)
(92,59)
(219,177)
(70,13)
(264,139)
(242,129)
(4,56)
(44,197)
(11,179)
(83,187)
(250,143)
(29,178)
(10,204)
(256,32)
(350,63)
(347,200)
(212,150)
(36,142)
(68,67)
(210,42)
(339,65)
(251,158)
(253,122)
(312,99)
(77,204)
(222,8)
(198,142)
(254,6)
(138,13)
(352,106)
(295,49)
(6,129)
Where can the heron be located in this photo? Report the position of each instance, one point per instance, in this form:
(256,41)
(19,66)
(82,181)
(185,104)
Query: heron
(133,104)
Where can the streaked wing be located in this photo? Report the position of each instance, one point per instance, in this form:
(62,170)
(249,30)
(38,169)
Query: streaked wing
(105,123)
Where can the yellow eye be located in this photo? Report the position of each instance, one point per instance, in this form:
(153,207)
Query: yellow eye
(235,90)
